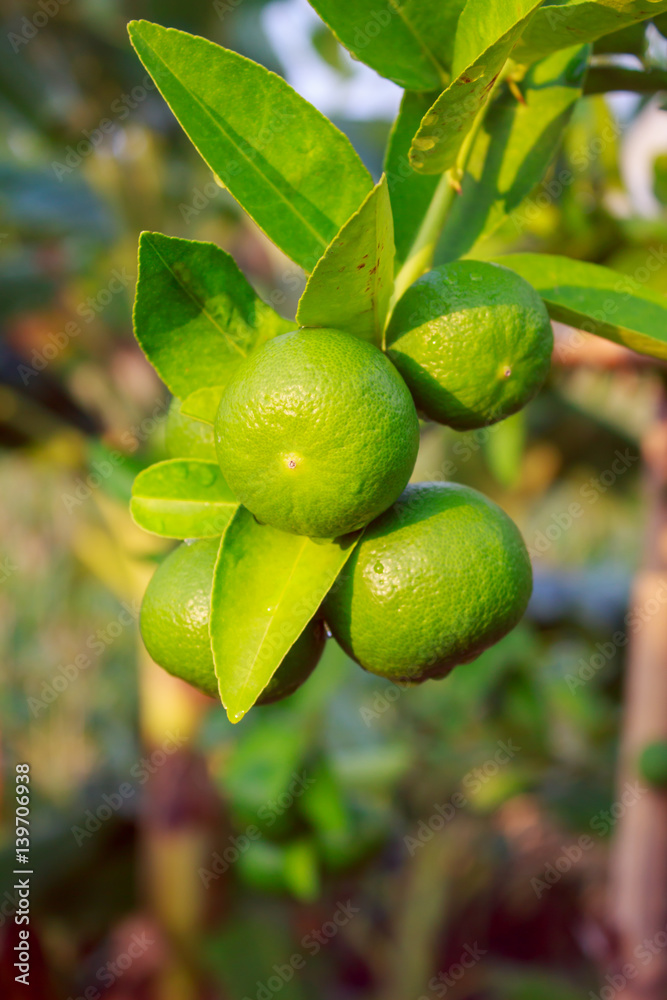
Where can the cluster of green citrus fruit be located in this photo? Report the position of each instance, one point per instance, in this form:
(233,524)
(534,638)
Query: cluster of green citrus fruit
(317,434)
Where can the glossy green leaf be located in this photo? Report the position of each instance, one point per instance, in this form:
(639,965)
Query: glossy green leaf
(485,37)
(202,404)
(513,150)
(410,193)
(183,498)
(408,41)
(267,587)
(351,286)
(288,166)
(598,300)
(195,315)
(560,25)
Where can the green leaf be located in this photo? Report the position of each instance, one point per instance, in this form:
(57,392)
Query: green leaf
(560,25)
(410,193)
(202,404)
(288,166)
(351,286)
(408,41)
(485,36)
(513,150)
(195,315)
(267,586)
(183,498)
(597,300)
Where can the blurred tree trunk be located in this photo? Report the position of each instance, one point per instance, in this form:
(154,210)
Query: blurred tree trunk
(639,856)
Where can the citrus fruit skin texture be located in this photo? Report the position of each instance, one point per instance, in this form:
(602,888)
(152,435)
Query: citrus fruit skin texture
(317,433)
(439,577)
(473,341)
(175,617)
(185,437)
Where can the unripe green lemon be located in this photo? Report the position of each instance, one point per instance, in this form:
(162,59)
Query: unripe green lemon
(473,341)
(174,625)
(653,764)
(185,437)
(439,577)
(317,433)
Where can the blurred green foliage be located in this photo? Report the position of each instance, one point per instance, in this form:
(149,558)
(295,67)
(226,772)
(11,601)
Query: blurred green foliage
(431,809)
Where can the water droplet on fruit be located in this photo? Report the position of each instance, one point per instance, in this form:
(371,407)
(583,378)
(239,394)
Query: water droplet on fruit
(379,568)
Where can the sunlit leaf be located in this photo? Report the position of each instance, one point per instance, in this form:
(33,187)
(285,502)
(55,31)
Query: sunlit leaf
(183,498)
(560,25)
(484,39)
(288,166)
(195,315)
(408,41)
(267,587)
(513,150)
(351,286)
(598,300)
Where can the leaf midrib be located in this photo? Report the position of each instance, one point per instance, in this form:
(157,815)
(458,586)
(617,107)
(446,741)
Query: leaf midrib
(197,301)
(239,150)
(244,685)
(442,74)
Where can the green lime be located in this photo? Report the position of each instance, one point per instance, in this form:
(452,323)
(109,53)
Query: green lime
(439,577)
(473,341)
(653,764)
(174,625)
(317,433)
(185,437)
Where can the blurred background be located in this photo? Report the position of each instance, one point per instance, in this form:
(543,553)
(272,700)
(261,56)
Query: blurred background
(358,840)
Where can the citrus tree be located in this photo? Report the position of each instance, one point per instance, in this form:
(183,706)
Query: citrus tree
(293,440)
